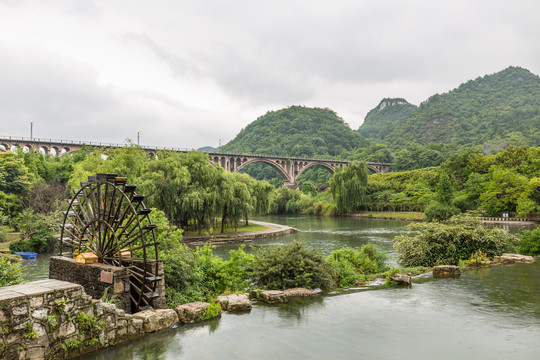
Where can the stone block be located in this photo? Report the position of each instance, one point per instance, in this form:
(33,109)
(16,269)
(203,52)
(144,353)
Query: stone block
(235,302)
(512,258)
(191,312)
(154,320)
(66,329)
(19,310)
(40,314)
(442,271)
(35,352)
(36,302)
(401,279)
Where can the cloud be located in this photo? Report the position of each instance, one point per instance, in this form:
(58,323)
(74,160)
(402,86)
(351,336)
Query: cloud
(188,73)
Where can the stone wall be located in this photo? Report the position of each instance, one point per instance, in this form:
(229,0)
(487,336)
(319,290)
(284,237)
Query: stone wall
(52,319)
(89,276)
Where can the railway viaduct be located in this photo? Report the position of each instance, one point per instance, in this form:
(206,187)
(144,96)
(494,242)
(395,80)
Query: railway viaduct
(288,167)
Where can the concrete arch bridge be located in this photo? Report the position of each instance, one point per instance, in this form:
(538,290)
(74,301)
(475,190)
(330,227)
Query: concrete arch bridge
(289,168)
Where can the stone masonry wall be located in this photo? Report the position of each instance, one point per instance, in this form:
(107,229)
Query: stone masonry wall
(52,319)
(88,275)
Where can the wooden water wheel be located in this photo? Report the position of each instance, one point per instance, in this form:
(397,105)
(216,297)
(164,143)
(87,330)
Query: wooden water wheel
(107,218)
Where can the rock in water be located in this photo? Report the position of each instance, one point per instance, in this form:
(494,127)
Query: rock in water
(191,312)
(443,271)
(235,302)
(512,258)
(401,279)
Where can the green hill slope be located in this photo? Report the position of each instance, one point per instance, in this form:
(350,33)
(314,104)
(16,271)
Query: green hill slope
(385,117)
(297,131)
(500,108)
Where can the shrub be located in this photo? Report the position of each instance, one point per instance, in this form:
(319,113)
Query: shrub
(350,265)
(37,233)
(10,271)
(440,212)
(3,234)
(529,243)
(292,265)
(432,244)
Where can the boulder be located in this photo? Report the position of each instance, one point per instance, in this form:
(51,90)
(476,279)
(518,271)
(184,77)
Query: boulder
(155,320)
(279,296)
(191,312)
(235,302)
(442,271)
(401,279)
(512,258)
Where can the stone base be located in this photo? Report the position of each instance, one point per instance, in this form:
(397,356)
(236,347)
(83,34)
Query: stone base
(443,271)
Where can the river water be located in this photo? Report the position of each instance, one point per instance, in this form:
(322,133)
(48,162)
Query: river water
(485,314)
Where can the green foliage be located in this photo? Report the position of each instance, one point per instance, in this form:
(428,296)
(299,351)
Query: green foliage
(10,271)
(349,187)
(500,109)
(388,114)
(292,265)
(213,311)
(529,243)
(351,265)
(296,131)
(431,244)
(38,232)
(3,234)
(440,212)
(478,259)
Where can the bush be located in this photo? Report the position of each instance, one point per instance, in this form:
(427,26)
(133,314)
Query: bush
(446,243)
(3,234)
(292,265)
(529,243)
(37,233)
(440,212)
(350,265)
(10,271)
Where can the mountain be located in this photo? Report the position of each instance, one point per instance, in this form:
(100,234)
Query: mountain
(297,131)
(499,108)
(387,115)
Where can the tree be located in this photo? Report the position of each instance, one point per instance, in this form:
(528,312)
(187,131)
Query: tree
(349,187)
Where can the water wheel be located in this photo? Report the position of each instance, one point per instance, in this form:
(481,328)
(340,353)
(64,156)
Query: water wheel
(107,218)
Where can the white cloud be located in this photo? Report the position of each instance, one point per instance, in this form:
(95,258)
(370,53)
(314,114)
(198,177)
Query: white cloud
(187,74)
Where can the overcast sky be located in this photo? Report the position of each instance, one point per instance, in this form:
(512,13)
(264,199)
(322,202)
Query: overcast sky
(189,73)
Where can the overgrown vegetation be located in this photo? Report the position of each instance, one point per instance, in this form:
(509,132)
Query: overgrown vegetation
(438,243)
(10,271)
(529,243)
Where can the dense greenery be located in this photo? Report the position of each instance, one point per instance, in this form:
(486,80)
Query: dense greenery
(529,243)
(493,111)
(351,266)
(380,121)
(10,271)
(439,243)
(296,131)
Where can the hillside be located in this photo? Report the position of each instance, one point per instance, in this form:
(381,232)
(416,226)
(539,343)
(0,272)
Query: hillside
(500,108)
(297,131)
(386,116)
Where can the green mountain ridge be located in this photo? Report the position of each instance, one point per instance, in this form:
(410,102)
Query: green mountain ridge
(297,131)
(499,108)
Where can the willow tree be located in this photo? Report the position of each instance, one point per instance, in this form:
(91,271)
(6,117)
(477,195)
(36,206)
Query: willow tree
(349,187)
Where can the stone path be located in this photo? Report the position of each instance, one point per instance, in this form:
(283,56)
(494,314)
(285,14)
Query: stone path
(35,288)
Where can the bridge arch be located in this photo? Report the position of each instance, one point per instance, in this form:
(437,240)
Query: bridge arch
(304,166)
(44,150)
(4,147)
(278,167)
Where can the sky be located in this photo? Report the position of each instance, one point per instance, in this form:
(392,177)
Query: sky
(187,74)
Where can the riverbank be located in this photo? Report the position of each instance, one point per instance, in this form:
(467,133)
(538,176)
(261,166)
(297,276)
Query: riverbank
(408,216)
(271,230)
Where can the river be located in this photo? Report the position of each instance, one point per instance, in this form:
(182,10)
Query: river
(489,313)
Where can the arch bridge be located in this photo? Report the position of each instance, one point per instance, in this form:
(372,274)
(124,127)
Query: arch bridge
(289,168)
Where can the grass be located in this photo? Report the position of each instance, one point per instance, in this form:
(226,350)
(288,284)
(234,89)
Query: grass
(217,230)
(11,236)
(417,216)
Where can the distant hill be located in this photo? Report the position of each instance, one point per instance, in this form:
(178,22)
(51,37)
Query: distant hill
(297,131)
(386,116)
(208,149)
(500,108)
